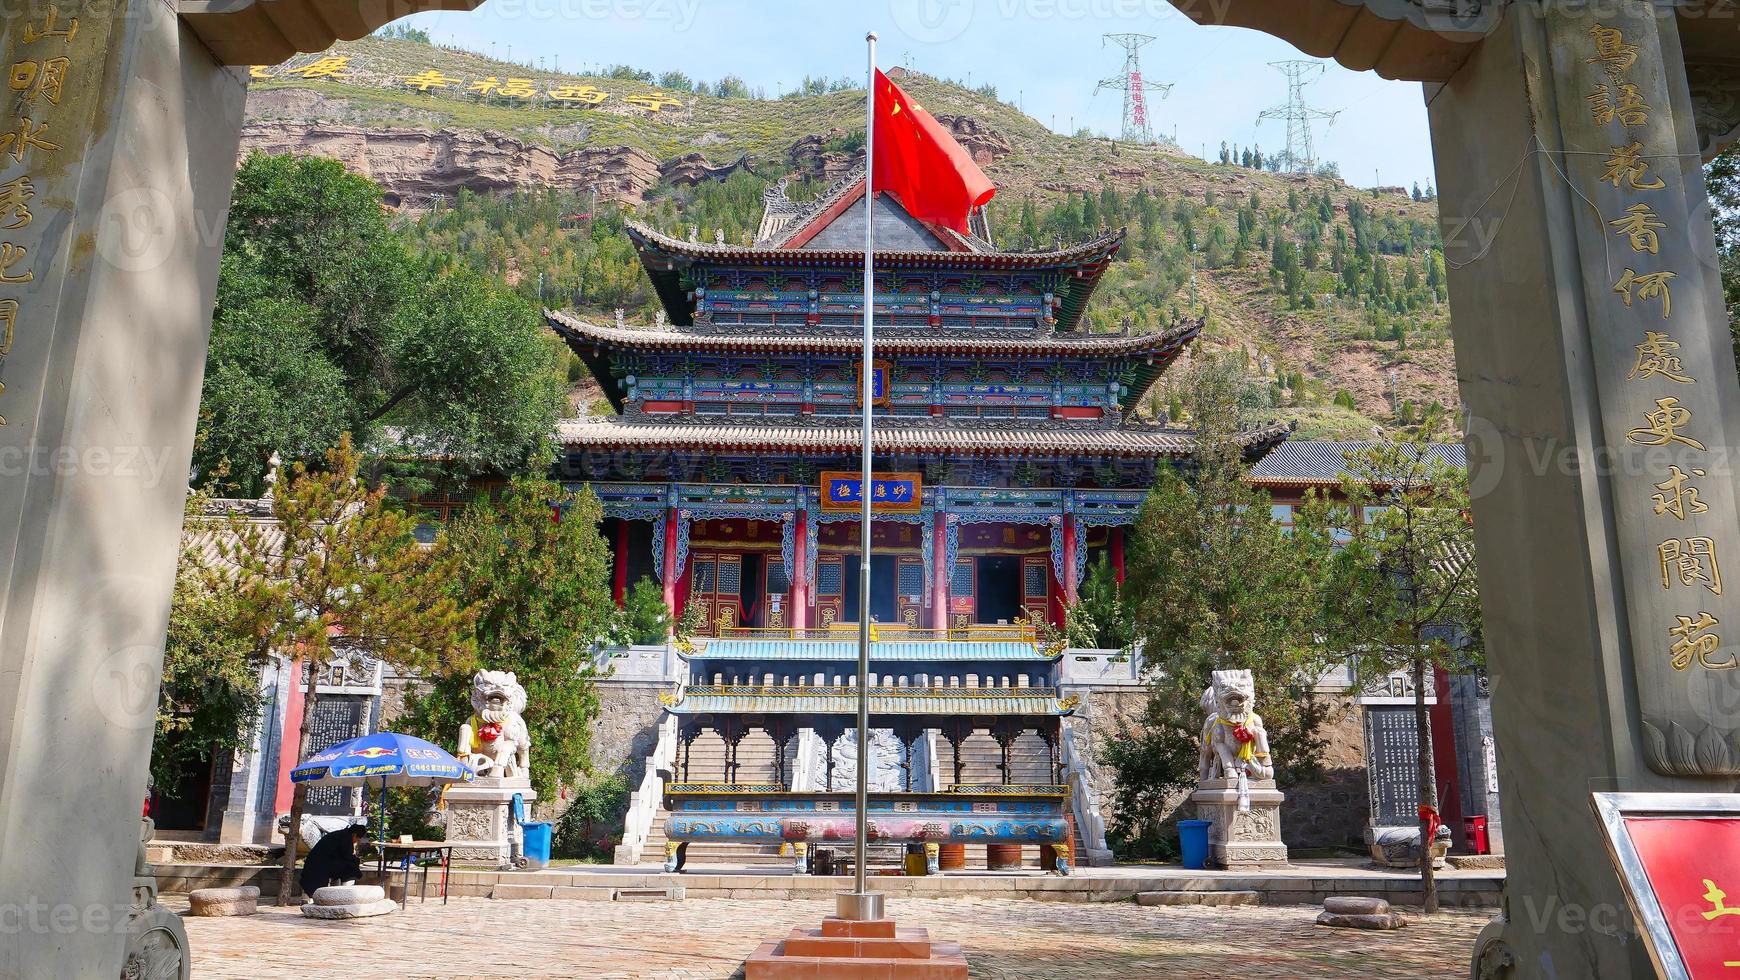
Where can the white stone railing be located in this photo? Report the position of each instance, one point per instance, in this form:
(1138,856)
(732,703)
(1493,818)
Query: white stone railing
(1100,668)
(644,802)
(1088,819)
(653,662)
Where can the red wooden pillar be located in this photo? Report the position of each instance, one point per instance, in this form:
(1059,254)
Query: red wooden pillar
(619,585)
(1117,542)
(670,565)
(1069,559)
(1444,759)
(290,743)
(800,571)
(939,587)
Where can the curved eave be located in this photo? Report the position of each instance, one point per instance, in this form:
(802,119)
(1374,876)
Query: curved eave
(665,259)
(1398,39)
(1157,348)
(267,32)
(1120,442)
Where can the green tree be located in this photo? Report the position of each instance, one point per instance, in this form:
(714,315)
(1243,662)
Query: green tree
(1212,584)
(337,573)
(1724,180)
(541,591)
(210,698)
(326,323)
(1402,593)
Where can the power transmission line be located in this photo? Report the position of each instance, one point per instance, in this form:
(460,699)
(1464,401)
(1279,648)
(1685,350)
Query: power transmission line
(1137,128)
(1300,156)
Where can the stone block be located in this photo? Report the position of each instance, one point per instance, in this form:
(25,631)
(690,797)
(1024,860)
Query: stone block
(1476,862)
(356,910)
(1399,847)
(1389,920)
(224,901)
(582,893)
(348,894)
(1214,898)
(664,893)
(905,944)
(505,891)
(834,926)
(1355,905)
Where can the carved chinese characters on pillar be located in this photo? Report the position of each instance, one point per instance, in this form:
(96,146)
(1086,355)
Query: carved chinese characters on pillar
(39,66)
(1663,374)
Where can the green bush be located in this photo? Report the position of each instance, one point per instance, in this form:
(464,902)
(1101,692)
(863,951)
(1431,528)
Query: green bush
(591,826)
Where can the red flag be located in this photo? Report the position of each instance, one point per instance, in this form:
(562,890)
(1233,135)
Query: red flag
(919,162)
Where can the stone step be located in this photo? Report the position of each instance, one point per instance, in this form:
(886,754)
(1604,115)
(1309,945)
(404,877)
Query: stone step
(1197,898)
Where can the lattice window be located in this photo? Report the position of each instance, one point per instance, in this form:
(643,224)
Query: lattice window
(1033,579)
(730,577)
(828,578)
(776,577)
(704,576)
(911,578)
(962,584)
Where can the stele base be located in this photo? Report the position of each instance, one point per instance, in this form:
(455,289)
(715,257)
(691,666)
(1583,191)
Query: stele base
(851,950)
(1242,840)
(479,822)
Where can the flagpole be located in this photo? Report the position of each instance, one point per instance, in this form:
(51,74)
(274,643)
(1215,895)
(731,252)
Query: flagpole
(861,904)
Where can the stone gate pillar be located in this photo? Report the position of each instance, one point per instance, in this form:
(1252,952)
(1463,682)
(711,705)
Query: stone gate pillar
(117,148)
(1594,360)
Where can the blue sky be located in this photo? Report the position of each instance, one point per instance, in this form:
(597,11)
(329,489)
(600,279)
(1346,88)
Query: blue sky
(1048,53)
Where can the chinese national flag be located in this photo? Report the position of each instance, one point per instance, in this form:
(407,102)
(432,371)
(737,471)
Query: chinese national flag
(919,162)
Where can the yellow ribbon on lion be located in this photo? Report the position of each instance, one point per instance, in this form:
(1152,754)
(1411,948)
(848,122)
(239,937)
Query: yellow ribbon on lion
(1247,750)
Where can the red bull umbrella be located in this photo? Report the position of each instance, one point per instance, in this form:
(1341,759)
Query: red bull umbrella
(386,759)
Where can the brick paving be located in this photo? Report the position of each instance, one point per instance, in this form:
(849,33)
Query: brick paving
(1003,938)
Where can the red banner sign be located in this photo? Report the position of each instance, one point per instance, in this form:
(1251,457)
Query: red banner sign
(1679,857)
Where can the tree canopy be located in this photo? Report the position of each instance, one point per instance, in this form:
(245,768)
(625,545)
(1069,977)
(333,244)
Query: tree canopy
(541,589)
(327,322)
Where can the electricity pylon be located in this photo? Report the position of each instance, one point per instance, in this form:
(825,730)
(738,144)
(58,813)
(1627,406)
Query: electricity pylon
(1300,156)
(1137,128)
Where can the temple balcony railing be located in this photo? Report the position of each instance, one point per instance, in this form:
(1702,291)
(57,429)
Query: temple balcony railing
(959,789)
(879,632)
(850,690)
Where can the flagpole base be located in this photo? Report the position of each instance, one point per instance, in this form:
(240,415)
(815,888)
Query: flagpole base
(859,906)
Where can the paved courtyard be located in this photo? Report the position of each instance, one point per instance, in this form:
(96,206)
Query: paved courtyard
(1024,939)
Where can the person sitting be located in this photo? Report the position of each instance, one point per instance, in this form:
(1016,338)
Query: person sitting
(333,860)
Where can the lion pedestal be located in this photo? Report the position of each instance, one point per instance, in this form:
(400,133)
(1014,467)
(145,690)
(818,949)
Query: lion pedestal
(480,820)
(1236,790)
(1238,840)
(495,743)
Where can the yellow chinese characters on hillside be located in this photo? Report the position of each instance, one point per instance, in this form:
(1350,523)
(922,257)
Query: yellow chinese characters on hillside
(35,80)
(338,68)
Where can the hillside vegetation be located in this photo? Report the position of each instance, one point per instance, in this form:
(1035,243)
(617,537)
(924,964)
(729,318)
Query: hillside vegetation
(1334,295)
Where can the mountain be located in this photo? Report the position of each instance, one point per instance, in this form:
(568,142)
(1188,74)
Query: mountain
(1334,295)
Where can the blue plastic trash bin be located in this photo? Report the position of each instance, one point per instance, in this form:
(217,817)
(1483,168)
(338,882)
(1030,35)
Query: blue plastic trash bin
(535,836)
(1193,843)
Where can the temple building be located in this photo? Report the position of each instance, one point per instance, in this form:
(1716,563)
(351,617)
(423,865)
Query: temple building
(1004,436)
(1007,455)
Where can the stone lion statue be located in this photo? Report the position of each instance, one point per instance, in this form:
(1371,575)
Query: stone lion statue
(1235,745)
(494,741)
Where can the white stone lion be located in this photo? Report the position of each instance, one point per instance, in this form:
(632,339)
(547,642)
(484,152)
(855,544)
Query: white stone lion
(494,741)
(1235,745)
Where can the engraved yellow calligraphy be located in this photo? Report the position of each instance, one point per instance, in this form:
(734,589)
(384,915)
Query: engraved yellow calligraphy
(15,196)
(40,80)
(8,319)
(1690,562)
(1661,427)
(70,31)
(1678,497)
(1651,285)
(1612,52)
(1658,357)
(1630,108)
(1693,640)
(10,255)
(1639,226)
(1627,164)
